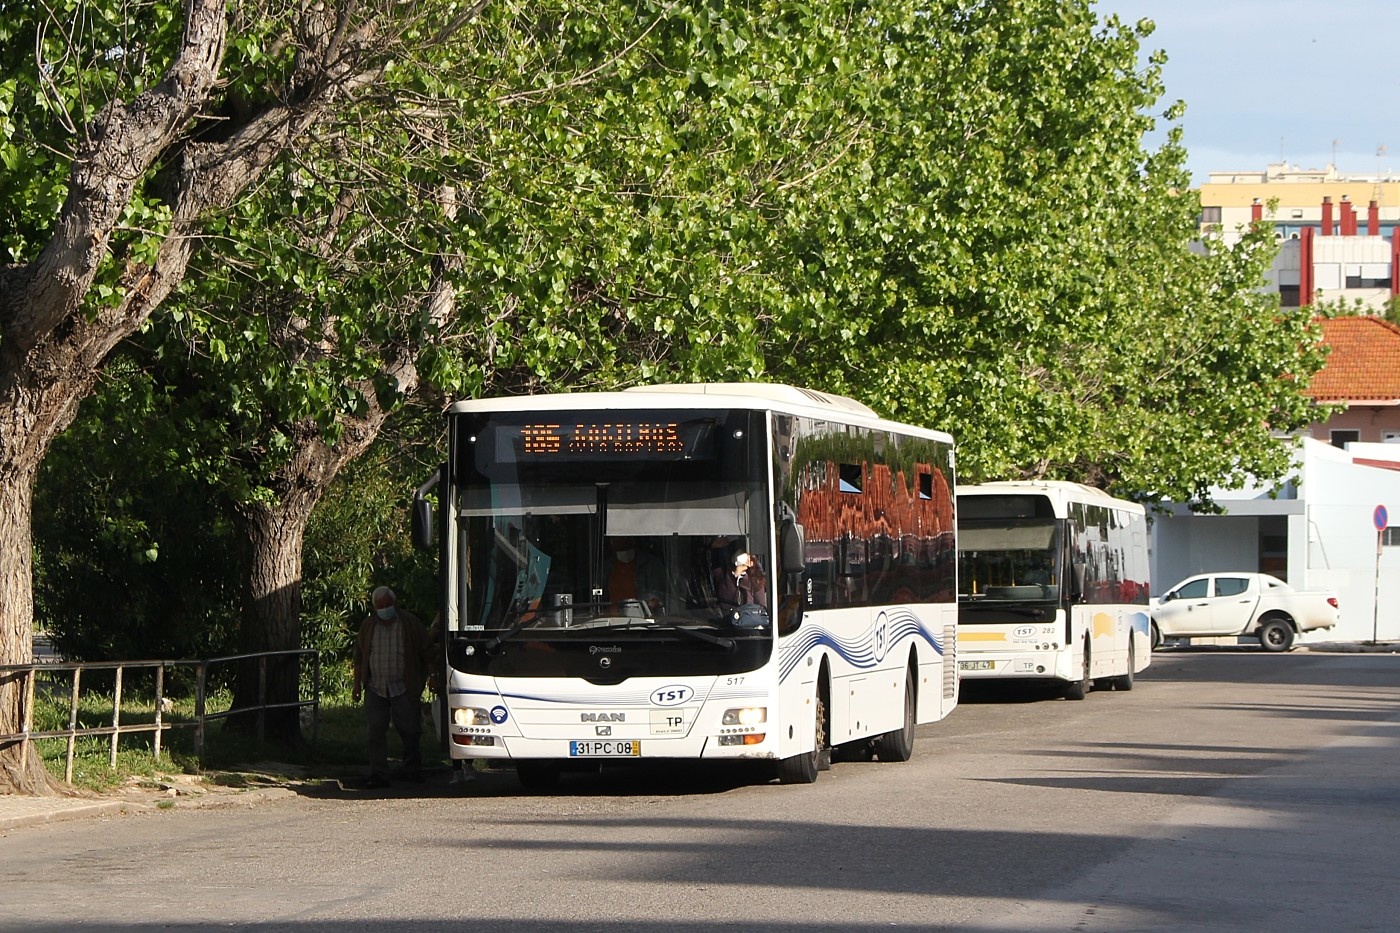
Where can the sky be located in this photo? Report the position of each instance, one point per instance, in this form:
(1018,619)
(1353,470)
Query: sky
(1307,82)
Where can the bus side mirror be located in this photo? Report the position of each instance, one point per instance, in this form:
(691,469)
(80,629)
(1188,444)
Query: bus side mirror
(421,514)
(422,524)
(794,547)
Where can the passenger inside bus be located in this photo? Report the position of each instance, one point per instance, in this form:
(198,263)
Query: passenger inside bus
(635,577)
(743,583)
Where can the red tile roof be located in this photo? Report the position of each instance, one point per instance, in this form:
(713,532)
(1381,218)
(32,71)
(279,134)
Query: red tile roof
(1364,362)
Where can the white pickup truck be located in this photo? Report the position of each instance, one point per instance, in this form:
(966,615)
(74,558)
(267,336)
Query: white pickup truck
(1223,604)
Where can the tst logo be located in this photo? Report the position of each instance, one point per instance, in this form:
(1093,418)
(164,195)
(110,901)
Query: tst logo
(673,695)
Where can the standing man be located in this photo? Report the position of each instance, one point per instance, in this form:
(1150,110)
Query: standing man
(392,657)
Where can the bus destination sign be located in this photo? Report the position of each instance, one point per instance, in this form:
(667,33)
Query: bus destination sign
(608,439)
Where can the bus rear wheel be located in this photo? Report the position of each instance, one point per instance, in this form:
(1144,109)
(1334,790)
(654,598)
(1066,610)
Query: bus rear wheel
(898,744)
(1125,681)
(804,768)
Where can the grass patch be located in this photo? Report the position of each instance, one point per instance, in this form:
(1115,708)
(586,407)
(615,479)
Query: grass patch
(330,746)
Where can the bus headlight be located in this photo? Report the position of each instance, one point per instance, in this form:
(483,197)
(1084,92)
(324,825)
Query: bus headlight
(470,716)
(747,716)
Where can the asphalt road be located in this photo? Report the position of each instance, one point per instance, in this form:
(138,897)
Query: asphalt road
(1231,790)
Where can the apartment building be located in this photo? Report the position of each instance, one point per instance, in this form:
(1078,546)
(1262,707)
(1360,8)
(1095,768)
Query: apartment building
(1337,232)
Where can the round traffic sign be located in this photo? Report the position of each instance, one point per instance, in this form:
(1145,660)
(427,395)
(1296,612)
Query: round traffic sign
(1381,518)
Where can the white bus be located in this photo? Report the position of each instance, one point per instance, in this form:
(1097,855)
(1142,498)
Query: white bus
(1052,584)
(593,605)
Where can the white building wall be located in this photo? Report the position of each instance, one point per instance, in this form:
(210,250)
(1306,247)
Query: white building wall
(1185,545)
(1331,537)
(1341,500)
(1336,257)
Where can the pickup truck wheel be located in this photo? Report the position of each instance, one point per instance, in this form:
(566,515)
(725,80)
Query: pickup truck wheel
(1156,637)
(1276,635)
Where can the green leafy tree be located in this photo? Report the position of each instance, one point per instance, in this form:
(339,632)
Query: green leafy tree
(126,129)
(134,558)
(998,253)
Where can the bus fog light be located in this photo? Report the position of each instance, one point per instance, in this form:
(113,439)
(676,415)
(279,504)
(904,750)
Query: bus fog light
(470,716)
(747,716)
(748,738)
(473,740)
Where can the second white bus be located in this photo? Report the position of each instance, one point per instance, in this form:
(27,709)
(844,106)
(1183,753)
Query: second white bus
(1052,585)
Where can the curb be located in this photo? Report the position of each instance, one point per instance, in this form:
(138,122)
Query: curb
(19,811)
(16,812)
(1352,647)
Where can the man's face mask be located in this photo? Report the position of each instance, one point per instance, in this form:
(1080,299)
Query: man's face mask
(627,555)
(386,613)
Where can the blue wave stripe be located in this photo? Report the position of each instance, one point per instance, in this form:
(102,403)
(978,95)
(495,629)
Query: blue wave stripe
(899,624)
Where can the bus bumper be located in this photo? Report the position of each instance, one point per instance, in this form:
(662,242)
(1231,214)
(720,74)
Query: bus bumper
(1021,665)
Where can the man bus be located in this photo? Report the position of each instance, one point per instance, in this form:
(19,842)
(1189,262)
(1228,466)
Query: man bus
(712,571)
(1053,585)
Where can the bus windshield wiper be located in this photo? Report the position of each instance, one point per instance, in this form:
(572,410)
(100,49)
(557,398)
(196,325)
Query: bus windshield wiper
(646,625)
(512,630)
(1035,612)
(726,643)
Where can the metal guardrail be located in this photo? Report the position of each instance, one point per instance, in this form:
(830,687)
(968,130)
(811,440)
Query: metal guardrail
(28,673)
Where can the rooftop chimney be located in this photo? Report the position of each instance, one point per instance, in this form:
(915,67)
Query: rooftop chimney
(1327,216)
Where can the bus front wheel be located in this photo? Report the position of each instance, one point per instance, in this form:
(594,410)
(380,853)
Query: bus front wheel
(804,768)
(1078,689)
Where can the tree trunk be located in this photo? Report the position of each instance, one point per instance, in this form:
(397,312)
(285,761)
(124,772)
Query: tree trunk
(16,632)
(274,533)
(272,612)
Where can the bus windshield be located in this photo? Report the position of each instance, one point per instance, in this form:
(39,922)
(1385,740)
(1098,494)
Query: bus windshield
(1009,560)
(643,534)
